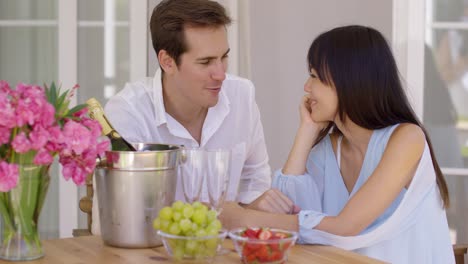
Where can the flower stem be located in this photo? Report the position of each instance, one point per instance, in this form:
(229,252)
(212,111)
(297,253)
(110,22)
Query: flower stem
(5,212)
(12,152)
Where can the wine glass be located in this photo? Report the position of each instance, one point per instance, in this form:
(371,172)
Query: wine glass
(191,173)
(217,176)
(217,179)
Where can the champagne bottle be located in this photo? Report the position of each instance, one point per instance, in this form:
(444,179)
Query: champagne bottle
(97,113)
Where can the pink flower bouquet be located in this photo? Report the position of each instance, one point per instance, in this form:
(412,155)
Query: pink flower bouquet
(36,125)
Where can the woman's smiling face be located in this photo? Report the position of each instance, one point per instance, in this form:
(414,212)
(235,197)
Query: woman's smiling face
(323,99)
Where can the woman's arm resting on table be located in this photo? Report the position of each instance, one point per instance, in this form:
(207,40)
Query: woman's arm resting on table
(394,172)
(273,201)
(234,215)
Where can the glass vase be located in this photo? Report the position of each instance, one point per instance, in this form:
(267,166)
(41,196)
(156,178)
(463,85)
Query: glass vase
(20,208)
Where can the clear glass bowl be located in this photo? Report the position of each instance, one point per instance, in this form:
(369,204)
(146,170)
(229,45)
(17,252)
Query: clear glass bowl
(192,249)
(253,250)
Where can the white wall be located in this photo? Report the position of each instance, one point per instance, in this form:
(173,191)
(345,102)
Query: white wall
(280,35)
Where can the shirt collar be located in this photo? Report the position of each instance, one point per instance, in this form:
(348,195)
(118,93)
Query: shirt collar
(159,109)
(221,107)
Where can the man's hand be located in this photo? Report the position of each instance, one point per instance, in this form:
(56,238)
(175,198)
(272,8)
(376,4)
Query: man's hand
(274,201)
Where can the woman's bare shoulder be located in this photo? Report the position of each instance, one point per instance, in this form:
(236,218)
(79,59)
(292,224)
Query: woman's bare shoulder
(408,136)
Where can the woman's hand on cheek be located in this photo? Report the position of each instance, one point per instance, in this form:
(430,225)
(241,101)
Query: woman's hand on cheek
(305,110)
(307,122)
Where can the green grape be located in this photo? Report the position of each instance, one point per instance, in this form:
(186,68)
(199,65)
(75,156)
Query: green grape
(166,213)
(199,217)
(197,205)
(211,215)
(212,231)
(157,223)
(195,227)
(176,216)
(178,252)
(187,211)
(211,244)
(181,243)
(200,233)
(177,206)
(216,224)
(204,208)
(174,228)
(190,220)
(200,251)
(190,247)
(211,252)
(185,225)
(164,225)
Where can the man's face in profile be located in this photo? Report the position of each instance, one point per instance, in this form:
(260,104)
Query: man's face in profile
(202,68)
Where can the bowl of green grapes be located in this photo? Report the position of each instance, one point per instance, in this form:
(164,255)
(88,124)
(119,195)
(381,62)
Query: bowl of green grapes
(190,231)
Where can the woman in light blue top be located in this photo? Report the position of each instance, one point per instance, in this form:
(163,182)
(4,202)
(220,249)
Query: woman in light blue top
(361,170)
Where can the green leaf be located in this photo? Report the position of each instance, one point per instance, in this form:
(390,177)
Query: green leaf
(76,109)
(3,151)
(47,92)
(53,94)
(64,109)
(60,101)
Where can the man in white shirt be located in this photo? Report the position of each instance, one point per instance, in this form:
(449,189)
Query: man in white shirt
(191,101)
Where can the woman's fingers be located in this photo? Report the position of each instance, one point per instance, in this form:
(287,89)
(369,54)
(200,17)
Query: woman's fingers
(282,200)
(273,201)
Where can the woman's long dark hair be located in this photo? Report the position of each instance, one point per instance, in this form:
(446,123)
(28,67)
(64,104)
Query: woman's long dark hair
(358,62)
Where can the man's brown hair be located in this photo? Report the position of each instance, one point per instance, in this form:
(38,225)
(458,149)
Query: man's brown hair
(171,17)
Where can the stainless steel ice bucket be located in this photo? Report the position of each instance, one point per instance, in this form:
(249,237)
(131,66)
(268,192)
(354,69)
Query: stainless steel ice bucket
(132,187)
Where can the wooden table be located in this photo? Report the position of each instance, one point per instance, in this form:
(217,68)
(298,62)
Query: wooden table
(90,249)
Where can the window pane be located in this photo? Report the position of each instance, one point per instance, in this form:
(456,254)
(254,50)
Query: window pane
(446,94)
(94,9)
(121,9)
(29,54)
(28,9)
(91,10)
(449,11)
(92,64)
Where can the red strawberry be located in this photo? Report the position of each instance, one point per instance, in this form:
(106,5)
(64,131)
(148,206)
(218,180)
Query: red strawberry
(252,246)
(265,234)
(250,233)
(275,256)
(263,253)
(250,257)
(274,246)
(280,235)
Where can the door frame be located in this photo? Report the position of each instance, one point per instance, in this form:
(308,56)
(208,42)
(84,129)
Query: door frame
(68,75)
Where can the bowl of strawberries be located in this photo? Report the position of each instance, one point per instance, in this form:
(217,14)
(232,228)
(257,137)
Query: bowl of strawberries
(263,244)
